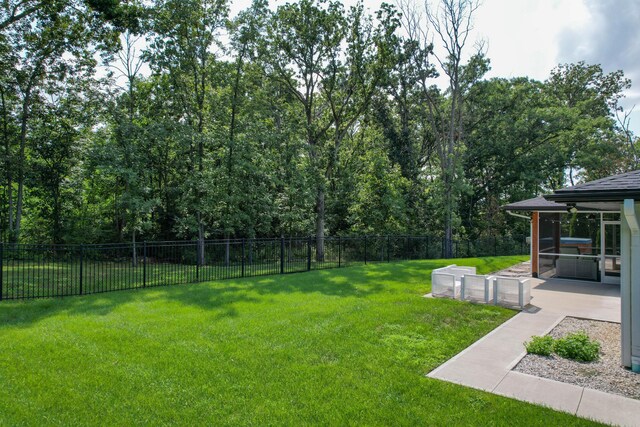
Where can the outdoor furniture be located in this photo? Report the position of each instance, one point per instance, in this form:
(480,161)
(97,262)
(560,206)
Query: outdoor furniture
(577,267)
(477,288)
(447,281)
(511,291)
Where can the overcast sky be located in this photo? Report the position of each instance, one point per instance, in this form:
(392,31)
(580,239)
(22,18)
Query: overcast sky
(530,37)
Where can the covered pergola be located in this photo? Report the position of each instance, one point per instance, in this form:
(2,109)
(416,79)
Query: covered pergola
(591,232)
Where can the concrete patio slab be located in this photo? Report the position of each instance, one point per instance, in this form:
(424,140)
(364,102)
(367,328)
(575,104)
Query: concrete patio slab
(473,376)
(589,300)
(487,364)
(565,397)
(609,408)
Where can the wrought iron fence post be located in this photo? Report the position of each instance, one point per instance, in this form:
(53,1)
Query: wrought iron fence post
(365,248)
(1,271)
(81,263)
(282,255)
(144,264)
(243,267)
(339,251)
(309,253)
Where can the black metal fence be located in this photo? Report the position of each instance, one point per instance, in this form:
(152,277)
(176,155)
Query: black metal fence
(43,271)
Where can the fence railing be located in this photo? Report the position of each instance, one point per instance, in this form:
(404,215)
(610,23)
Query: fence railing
(43,271)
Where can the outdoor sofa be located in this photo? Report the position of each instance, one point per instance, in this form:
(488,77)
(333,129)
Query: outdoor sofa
(458,282)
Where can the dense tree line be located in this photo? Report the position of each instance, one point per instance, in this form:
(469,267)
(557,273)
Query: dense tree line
(309,118)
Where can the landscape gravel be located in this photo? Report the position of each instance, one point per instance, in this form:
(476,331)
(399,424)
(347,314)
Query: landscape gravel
(605,374)
(519,270)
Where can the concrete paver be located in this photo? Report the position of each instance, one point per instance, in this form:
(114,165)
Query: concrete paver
(487,364)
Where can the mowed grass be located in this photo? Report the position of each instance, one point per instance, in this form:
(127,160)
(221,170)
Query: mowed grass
(347,346)
(24,279)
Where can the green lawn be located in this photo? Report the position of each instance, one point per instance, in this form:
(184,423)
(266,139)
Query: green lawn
(25,279)
(347,346)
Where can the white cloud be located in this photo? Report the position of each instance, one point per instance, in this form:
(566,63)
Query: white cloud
(521,35)
(530,37)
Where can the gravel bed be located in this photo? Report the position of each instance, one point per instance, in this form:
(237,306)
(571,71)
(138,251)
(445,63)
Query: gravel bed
(605,374)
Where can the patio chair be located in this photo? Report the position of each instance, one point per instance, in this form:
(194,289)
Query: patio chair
(511,291)
(446,281)
(477,288)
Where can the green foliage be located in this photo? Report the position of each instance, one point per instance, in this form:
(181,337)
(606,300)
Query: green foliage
(313,117)
(563,126)
(577,346)
(542,345)
(378,204)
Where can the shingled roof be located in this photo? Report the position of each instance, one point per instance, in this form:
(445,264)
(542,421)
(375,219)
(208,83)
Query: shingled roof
(535,204)
(610,189)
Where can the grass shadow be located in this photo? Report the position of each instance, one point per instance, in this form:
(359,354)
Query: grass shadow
(217,295)
(359,281)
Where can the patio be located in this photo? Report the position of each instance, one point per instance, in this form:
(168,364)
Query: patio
(589,300)
(487,364)
(566,241)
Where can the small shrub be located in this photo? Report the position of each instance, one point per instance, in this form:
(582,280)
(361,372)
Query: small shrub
(577,346)
(540,345)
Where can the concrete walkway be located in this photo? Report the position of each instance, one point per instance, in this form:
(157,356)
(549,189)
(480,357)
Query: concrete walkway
(487,364)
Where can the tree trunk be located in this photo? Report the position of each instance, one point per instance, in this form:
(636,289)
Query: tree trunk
(21,160)
(320,225)
(24,119)
(7,163)
(227,250)
(57,214)
(200,241)
(448,236)
(450,165)
(234,110)
(10,202)
(134,258)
